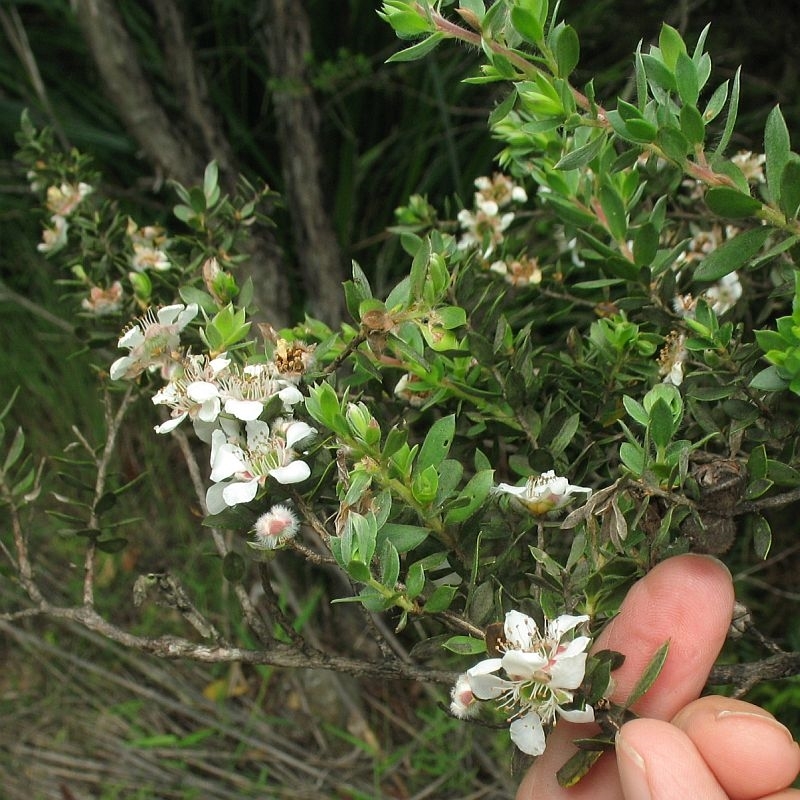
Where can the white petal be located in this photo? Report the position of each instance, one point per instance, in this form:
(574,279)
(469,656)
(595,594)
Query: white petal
(215,503)
(245,410)
(228,461)
(567,673)
(298,431)
(519,665)
(509,489)
(200,391)
(488,687)
(290,395)
(578,715)
(209,411)
(257,431)
(240,492)
(485,667)
(520,629)
(566,622)
(168,314)
(170,424)
(292,473)
(133,337)
(119,368)
(527,733)
(204,429)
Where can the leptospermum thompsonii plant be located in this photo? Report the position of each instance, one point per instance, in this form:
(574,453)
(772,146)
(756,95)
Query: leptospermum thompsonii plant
(592,366)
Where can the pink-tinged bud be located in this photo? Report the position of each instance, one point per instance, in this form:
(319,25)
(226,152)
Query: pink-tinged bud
(463,703)
(275,528)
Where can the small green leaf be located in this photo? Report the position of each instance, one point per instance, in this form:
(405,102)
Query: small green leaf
(731,255)
(577,766)
(674,144)
(105,503)
(415,580)
(777,149)
(441,599)
(417,51)
(527,24)
(476,491)
(649,675)
(614,211)
(687,80)
(790,188)
(731,203)
(582,155)
(567,50)
(692,125)
(671,45)
(15,451)
(389,560)
(358,571)
(769,380)
(733,111)
(465,645)
(233,567)
(632,457)
(645,244)
(762,535)
(437,443)
(661,424)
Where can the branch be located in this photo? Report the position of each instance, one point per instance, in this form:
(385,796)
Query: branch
(745,676)
(189,85)
(117,59)
(277,654)
(284,31)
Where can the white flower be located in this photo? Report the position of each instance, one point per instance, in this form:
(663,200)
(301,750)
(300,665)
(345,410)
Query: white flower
(672,357)
(63,200)
(147,257)
(275,528)
(103,301)
(539,495)
(153,341)
(239,470)
(192,391)
(723,295)
(751,165)
(484,228)
(542,675)
(54,236)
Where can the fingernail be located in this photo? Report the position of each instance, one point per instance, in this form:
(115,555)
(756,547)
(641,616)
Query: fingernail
(632,771)
(749,716)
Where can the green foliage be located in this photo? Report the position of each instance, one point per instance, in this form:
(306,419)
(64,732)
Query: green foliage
(589,314)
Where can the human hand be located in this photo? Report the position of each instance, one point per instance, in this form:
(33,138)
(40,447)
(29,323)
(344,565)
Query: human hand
(680,748)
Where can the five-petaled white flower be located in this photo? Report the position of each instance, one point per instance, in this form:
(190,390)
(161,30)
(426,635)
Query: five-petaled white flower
(238,470)
(542,494)
(153,341)
(542,672)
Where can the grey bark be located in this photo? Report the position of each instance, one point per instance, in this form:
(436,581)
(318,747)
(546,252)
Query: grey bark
(285,31)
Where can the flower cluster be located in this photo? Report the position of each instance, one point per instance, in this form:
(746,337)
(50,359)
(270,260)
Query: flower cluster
(543,671)
(61,202)
(225,402)
(484,227)
(149,246)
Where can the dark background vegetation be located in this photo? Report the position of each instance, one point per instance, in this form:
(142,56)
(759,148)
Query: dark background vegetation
(296,93)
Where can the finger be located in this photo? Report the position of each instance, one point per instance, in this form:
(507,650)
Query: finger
(658,761)
(751,754)
(687,600)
